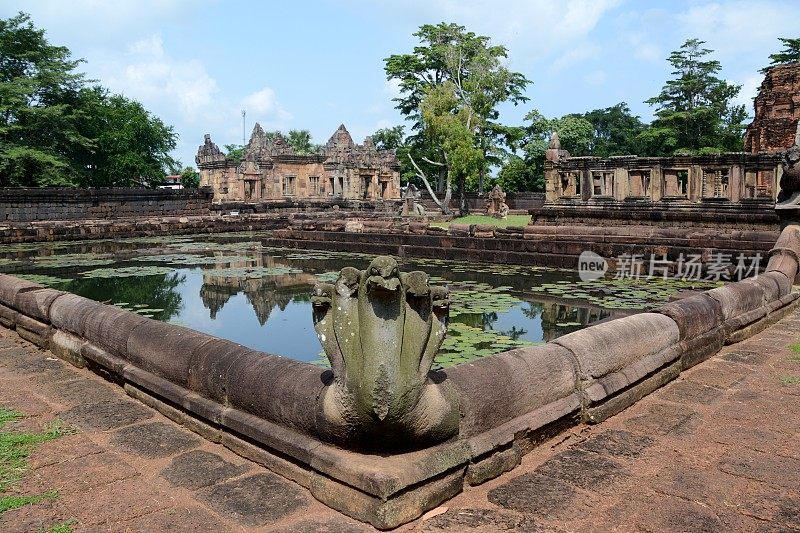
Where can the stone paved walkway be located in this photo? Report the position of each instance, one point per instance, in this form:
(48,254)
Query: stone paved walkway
(716,450)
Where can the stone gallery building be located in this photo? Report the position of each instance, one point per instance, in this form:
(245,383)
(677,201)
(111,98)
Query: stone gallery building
(271,170)
(738,187)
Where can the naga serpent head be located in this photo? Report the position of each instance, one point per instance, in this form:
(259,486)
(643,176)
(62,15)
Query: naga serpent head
(347,283)
(381,329)
(383,274)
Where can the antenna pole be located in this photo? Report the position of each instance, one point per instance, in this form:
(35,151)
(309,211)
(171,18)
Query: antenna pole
(244,114)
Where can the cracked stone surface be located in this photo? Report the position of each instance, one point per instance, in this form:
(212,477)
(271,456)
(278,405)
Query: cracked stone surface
(716,450)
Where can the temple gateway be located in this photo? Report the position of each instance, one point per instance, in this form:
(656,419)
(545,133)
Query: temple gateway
(271,170)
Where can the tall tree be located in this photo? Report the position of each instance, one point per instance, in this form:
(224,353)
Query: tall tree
(190,178)
(393,138)
(695,112)
(58,129)
(616,131)
(131,146)
(451,86)
(40,96)
(234,152)
(389,138)
(789,54)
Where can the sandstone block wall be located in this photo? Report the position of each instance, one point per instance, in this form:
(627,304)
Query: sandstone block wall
(516,201)
(777,107)
(63,203)
(540,245)
(266,407)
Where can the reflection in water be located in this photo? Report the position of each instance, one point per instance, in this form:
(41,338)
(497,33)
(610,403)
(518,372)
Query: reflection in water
(157,293)
(230,287)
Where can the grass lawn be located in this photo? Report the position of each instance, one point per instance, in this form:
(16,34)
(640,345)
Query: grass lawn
(510,220)
(15,448)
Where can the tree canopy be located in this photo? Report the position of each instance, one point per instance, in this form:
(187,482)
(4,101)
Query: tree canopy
(58,128)
(694,110)
(789,54)
(451,86)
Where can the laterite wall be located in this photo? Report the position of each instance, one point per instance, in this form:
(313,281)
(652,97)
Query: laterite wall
(66,203)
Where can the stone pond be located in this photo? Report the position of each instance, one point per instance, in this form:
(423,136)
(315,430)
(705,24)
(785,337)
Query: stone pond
(232,287)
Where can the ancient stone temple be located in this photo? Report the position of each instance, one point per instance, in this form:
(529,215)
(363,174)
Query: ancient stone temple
(271,170)
(777,109)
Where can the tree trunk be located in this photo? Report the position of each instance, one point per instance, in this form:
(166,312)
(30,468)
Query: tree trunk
(448,195)
(463,209)
(444,206)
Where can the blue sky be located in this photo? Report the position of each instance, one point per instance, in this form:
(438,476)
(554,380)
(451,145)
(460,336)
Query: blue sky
(197,63)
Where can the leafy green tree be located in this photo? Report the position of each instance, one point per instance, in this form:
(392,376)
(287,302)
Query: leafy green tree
(40,97)
(575,132)
(451,86)
(517,174)
(616,131)
(57,129)
(389,138)
(190,178)
(695,110)
(789,54)
(131,146)
(300,141)
(234,152)
(393,138)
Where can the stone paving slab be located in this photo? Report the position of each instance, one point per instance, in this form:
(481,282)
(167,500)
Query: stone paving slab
(716,450)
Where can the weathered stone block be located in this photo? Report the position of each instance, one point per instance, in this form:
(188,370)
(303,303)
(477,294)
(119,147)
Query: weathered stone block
(10,286)
(612,346)
(36,303)
(208,368)
(496,389)
(390,513)
(737,298)
(164,349)
(487,468)
(694,315)
(275,388)
(69,313)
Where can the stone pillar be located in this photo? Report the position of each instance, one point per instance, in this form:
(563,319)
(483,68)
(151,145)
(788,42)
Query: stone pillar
(735,183)
(695,183)
(656,183)
(586,184)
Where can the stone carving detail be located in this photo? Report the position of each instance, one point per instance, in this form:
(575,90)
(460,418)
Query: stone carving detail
(790,178)
(496,203)
(381,330)
(209,152)
(411,205)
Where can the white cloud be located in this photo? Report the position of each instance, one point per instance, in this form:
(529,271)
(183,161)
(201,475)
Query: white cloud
(262,101)
(530,29)
(159,81)
(597,77)
(644,48)
(99,21)
(737,27)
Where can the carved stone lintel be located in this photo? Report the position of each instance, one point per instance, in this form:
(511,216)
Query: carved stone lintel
(381,329)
